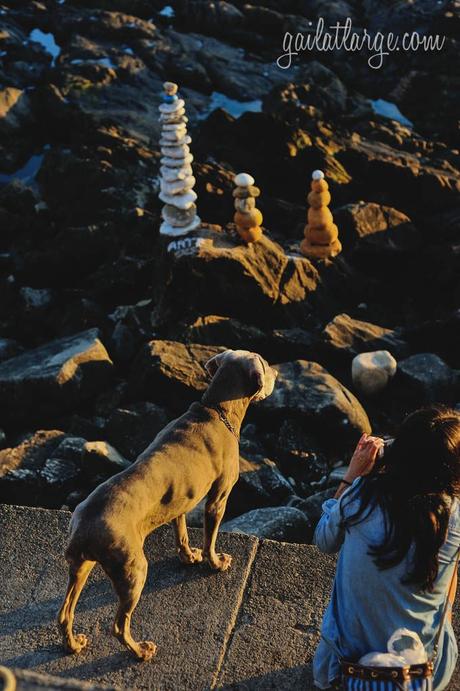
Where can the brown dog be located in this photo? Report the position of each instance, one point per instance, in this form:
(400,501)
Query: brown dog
(192,457)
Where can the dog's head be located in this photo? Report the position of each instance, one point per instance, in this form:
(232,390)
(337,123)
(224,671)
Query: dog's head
(259,378)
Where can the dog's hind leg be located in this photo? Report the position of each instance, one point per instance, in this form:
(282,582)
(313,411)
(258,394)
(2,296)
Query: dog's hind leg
(128,579)
(187,554)
(78,574)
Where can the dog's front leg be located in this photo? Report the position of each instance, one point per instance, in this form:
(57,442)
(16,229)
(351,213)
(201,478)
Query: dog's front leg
(187,554)
(215,509)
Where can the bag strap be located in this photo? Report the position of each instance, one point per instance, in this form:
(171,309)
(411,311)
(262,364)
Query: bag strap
(445,610)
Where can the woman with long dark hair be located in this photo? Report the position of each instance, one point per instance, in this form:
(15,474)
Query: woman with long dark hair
(396,523)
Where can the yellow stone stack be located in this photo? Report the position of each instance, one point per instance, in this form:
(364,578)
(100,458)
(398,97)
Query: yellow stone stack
(321,234)
(247,218)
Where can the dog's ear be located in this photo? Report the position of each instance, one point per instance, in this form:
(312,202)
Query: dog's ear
(257,374)
(215,362)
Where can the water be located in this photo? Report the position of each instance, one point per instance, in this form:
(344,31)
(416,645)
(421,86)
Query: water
(28,172)
(47,41)
(167,11)
(106,62)
(390,110)
(231,106)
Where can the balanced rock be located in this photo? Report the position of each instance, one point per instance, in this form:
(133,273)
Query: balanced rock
(321,234)
(371,372)
(177,181)
(247,218)
(53,378)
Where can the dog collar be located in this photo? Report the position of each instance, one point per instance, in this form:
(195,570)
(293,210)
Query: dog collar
(222,416)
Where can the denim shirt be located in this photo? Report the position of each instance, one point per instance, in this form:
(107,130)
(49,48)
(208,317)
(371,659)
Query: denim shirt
(367,604)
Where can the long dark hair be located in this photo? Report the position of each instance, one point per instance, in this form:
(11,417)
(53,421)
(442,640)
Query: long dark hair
(415,484)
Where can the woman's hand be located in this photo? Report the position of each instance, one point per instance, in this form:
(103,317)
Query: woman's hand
(364,457)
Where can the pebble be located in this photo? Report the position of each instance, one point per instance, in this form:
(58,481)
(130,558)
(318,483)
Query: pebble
(176,162)
(168,127)
(167,108)
(245,205)
(171,174)
(244,192)
(178,186)
(170,88)
(317,175)
(179,151)
(178,217)
(173,141)
(243,180)
(181,201)
(176,231)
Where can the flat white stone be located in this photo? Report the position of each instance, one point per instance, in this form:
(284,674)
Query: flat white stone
(175,141)
(172,118)
(171,174)
(178,186)
(317,175)
(372,371)
(173,231)
(172,107)
(176,162)
(168,127)
(179,151)
(243,180)
(180,201)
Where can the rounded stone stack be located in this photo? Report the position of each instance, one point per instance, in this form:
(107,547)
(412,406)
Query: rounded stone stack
(247,218)
(321,234)
(177,181)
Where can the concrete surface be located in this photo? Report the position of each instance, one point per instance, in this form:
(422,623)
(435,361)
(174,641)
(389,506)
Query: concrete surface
(253,627)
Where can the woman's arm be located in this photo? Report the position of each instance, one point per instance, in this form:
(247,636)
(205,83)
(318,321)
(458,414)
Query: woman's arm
(329,533)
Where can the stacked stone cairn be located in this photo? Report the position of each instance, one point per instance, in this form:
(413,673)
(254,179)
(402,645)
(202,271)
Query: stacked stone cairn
(177,181)
(321,234)
(247,218)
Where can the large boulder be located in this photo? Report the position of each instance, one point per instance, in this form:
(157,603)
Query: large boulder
(344,338)
(306,391)
(171,373)
(425,378)
(282,523)
(133,427)
(212,272)
(361,219)
(41,470)
(15,110)
(54,378)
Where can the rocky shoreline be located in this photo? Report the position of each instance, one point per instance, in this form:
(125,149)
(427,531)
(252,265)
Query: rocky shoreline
(105,324)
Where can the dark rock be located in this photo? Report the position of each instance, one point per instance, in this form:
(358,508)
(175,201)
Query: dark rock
(213,273)
(54,377)
(41,470)
(425,378)
(15,111)
(345,337)
(226,332)
(282,523)
(312,506)
(133,427)
(172,373)
(9,348)
(299,455)
(306,391)
(99,458)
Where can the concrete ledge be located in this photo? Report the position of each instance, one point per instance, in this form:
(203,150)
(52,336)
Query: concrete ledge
(254,627)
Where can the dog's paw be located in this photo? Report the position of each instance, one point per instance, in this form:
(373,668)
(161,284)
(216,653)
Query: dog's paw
(193,556)
(221,562)
(146,650)
(79,642)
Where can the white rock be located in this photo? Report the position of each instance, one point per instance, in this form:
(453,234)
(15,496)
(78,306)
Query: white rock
(173,141)
(176,162)
(178,186)
(168,127)
(167,229)
(172,107)
(179,151)
(173,118)
(171,174)
(371,372)
(317,175)
(243,180)
(180,201)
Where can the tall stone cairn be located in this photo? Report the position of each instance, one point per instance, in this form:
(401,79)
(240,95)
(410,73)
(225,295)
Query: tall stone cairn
(321,234)
(177,181)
